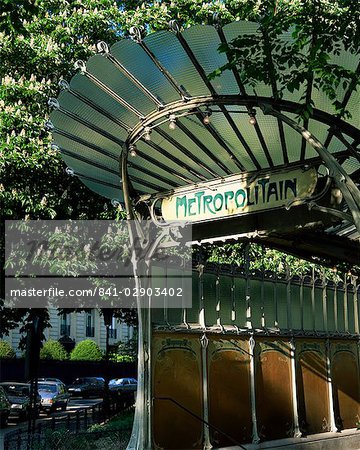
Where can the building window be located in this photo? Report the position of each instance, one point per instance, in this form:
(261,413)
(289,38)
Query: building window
(112,329)
(90,329)
(65,325)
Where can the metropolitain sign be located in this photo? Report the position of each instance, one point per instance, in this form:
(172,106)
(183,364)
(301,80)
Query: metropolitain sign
(238,194)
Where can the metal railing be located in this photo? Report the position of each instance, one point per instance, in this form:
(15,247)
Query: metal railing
(70,422)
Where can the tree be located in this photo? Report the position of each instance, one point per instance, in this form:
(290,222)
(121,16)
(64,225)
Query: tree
(40,41)
(53,350)
(86,350)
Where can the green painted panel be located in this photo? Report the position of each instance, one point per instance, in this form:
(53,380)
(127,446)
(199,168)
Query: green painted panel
(240,302)
(225,300)
(210,300)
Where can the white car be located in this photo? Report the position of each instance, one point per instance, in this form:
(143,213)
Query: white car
(123,384)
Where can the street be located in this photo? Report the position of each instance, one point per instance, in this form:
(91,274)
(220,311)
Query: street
(74,404)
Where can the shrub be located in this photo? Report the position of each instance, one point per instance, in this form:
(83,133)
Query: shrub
(121,358)
(53,350)
(6,351)
(87,350)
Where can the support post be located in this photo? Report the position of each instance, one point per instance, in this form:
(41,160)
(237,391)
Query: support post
(255,435)
(247,288)
(333,427)
(297,432)
(204,344)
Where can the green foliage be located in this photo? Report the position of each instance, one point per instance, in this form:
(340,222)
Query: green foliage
(126,351)
(121,358)
(318,31)
(40,41)
(122,421)
(86,350)
(53,350)
(6,351)
(262,258)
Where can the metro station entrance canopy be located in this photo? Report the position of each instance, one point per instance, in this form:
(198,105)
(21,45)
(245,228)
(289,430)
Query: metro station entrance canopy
(149,105)
(143,124)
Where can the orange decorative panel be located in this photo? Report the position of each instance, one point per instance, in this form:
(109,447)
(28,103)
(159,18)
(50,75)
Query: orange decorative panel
(313,394)
(229,390)
(345,380)
(274,405)
(177,375)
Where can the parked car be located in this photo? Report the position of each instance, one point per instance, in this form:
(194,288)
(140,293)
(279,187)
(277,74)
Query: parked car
(50,379)
(123,385)
(5,408)
(53,396)
(18,395)
(87,386)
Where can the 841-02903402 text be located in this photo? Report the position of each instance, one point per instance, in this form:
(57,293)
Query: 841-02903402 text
(99,291)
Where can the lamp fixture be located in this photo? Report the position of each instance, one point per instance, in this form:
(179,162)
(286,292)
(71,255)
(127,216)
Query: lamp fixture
(132,151)
(147,135)
(206,118)
(172,122)
(252,120)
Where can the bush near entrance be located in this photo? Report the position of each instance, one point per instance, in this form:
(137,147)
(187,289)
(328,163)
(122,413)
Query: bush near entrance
(87,350)
(6,351)
(53,350)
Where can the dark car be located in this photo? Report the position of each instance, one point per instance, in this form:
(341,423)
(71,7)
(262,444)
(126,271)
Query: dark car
(5,408)
(123,385)
(53,396)
(87,386)
(50,379)
(18,395)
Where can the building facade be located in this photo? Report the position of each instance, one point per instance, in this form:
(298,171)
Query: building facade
(77,326)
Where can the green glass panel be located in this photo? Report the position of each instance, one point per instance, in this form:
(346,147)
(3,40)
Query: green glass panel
(240,302)
(340,310)
(269,304)
(319,316)
(281,296)
(135,59)
(201,132)
(168,50)
(158,314)
(210,298)
(91,171)
(295,307)
(308,316)
(330,309)
(351,317)
(163,159)
(62,122)
(74,105)
(192,314)
(104,191)
(112,77)
(88,89)
(204,42)
(225,300)
(190,145)
(175,315)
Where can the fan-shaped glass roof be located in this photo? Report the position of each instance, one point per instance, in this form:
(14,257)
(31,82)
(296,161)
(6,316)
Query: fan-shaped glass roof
(135,91)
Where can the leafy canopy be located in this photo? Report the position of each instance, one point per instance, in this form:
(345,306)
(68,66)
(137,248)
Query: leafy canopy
(41,39)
